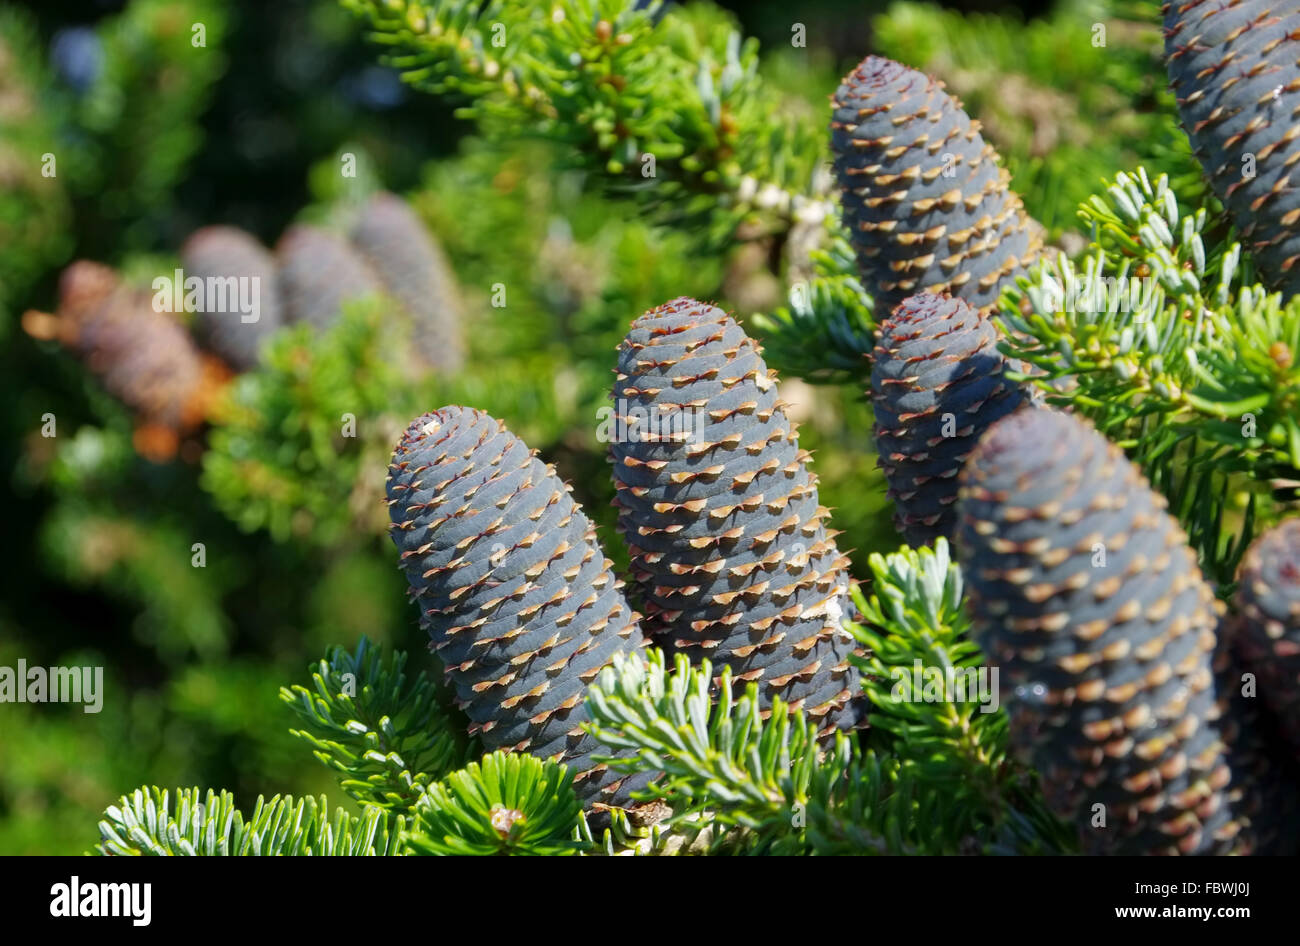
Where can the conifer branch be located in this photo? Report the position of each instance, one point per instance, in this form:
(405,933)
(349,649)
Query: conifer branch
(934,776)
(1161,341)
(146,822)
(954,740)
(388,737)
(753,778)
(827,331)
(506,804)
(666,106)
(280,457)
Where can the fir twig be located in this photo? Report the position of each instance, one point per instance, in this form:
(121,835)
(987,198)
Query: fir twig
(664,105)
(939,715)
(505,804)
(145,822)
(1157,337)
(386,736)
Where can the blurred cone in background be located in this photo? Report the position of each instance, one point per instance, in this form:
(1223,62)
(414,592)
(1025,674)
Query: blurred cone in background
(319,272)
(143,357)
(223,253)
(415,272)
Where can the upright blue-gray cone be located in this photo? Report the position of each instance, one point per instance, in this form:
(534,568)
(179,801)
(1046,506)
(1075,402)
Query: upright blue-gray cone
(319,272)
(519,602)
(415,272)
(233,261)
(1266,776)
(731,558)
(1085,595)
(1268,596)
(926,203)
(1235,70)
(937,382)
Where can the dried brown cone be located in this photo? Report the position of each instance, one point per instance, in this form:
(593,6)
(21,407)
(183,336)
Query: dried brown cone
(143,357)
(730,555)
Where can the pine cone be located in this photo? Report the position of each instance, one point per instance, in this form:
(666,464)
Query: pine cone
(319,271)
(221,252)
(1268,595)
(924,201)
(415,272)
(1085,592)
(1235,69)
(521,605)
(937,382)
(1266,791)
(143,357)
(720,512)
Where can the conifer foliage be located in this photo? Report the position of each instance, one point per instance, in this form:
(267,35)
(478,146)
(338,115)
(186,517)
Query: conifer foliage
(1107,573)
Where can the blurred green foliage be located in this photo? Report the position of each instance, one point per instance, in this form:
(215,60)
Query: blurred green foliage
(296,443)
(132,131)
(34,212)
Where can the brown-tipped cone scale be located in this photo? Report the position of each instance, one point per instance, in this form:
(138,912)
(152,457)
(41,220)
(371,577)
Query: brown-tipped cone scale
(925,202)
(1268,597)
(142,356)
(730,554)
(1084,593)
(520,604)
(415,272)
(937,382)
(239,307)
(319,272)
